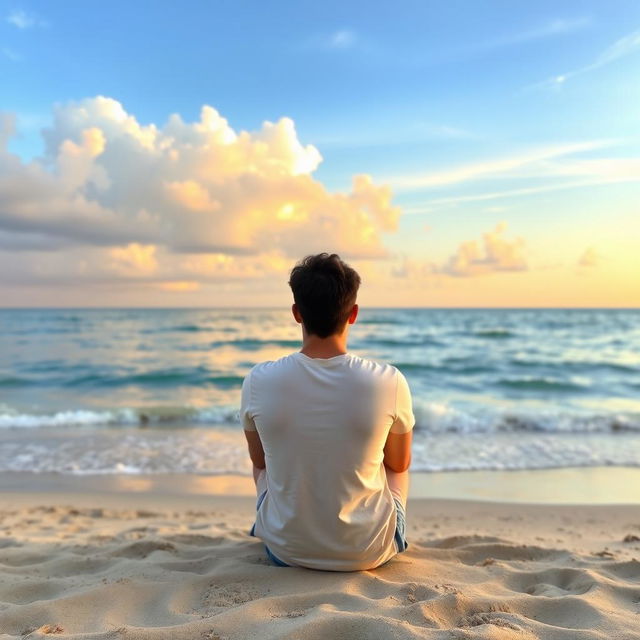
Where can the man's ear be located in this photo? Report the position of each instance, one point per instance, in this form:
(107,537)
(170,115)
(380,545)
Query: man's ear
(296,313)
(354,314)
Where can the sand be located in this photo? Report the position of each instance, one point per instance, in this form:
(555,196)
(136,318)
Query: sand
(90,563)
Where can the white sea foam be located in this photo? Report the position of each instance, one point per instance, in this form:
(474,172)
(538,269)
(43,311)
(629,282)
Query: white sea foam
(214,451)
(85,417)
(431,417)
(68,418)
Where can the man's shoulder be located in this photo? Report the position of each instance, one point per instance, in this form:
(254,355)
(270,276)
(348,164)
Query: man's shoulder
(270,366)
(374,369)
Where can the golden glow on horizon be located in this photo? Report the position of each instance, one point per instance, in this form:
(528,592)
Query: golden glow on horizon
(179,286)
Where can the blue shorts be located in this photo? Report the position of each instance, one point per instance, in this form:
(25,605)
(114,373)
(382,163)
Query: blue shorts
(399,537)
(270,555)
(401,526)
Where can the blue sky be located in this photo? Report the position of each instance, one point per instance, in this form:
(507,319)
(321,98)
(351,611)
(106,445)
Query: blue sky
(401,91)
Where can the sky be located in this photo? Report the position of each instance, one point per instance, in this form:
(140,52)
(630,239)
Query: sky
(457,154)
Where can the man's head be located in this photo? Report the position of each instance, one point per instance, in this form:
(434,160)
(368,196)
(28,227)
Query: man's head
(324,289)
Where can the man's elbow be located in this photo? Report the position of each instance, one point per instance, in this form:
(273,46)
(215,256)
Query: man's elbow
(399,466)
(258,460)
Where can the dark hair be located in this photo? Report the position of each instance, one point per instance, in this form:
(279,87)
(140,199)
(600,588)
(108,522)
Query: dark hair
(324,289)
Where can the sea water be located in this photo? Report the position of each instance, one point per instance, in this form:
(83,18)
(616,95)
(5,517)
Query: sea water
(158,390)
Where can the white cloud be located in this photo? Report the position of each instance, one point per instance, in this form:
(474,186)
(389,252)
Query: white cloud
(430,206)
(625,46)
(592,172)
(11,54)
(552,28)
(493,167)
(138,199)
(338,40)
(24,20)
(342,39)
(492,253)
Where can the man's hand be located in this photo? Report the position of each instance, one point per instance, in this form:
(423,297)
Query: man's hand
(256,452)
(397,451)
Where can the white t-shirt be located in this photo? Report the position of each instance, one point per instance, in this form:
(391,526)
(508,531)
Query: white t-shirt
(323,424)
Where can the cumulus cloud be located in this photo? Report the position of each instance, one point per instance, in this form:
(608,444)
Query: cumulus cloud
(493,252)
(142,194)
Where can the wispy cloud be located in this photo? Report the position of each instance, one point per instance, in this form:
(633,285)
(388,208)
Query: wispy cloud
(11,54)
(342,39)
(588,172)
(625,46)
(557,27)
(552,29)
(338,40)
(500,167)
(25,20)
(431,205)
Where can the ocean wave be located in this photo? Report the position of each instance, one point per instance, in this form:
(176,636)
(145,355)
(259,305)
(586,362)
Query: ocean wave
(13,381)
(431,418)
(251,344)
(453,368)
(544,384)
(494,333)
(143,416)
(421,341)
(159,378)
(583,366)
(183,328)
(379,321)
(438,418)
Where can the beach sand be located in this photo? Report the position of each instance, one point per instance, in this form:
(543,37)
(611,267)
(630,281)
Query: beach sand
(105,558)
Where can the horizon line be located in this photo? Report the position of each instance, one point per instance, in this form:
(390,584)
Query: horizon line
(280,307)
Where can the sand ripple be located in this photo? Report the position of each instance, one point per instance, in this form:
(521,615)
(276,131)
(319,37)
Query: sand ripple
(127,574)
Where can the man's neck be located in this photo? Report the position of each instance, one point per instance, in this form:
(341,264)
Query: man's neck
(316,347)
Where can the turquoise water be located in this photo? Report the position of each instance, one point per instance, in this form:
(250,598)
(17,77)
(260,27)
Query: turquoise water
(136,390)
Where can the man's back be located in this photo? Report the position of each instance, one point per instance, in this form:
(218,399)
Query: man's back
(323,424)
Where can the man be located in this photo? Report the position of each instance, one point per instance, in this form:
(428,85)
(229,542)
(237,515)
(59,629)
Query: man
(329,435)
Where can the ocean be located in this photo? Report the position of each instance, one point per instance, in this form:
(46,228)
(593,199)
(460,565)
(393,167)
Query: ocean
(103,391)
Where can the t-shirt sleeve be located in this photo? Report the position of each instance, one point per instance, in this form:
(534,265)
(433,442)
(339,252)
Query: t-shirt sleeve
(246,409)
(404,418)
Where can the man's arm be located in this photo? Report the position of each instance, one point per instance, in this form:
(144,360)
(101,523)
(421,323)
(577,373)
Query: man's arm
(397,448)
(256,452)
(397,451)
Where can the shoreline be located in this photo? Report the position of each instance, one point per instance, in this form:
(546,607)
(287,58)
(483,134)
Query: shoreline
(563,486)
